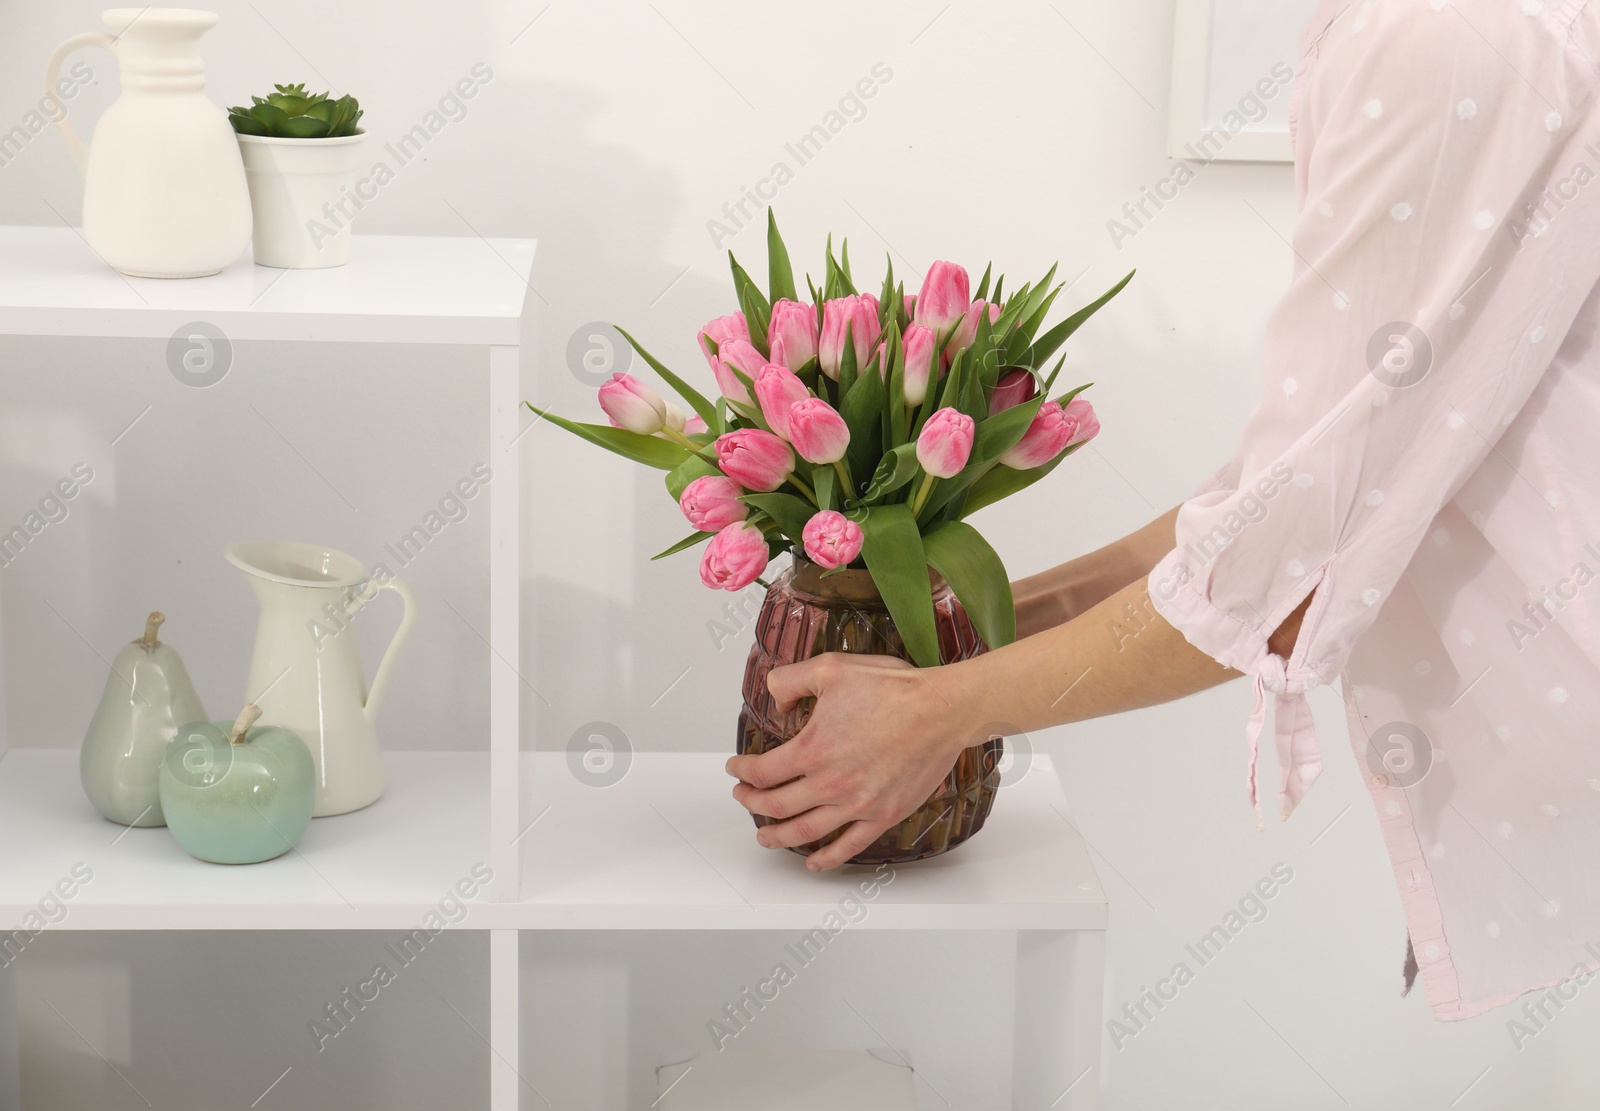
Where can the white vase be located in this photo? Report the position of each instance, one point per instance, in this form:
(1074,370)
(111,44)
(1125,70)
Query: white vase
(164,192)
(300,193)
(306,673)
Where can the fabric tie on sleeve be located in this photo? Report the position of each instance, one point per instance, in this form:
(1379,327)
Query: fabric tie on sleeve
(1298,755)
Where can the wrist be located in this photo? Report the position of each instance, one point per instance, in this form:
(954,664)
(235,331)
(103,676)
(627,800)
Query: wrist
(959,705)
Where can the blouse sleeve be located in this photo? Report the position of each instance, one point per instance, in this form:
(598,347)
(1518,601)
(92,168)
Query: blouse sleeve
(1427,301)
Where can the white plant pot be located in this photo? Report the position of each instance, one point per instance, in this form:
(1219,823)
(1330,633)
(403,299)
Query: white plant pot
(300,197)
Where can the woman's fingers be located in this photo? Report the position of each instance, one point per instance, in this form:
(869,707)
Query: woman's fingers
(854,840)
(779,802)
(810,678)
(811,826)
(770,769)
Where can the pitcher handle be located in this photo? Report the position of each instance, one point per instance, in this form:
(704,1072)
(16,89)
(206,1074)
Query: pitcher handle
(52,74)
(408,617)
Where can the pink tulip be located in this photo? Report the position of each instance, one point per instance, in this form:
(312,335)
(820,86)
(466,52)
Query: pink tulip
(946,443)
(1046,438)
(967,331)
(676,419)
(946,294)
(817,431)
(911,306)
(740,355)
(777,388)
(859,316)
(920,344)
(722,331)
(832,540)
(695,425)
(735,557)
(1014,388)
(792,335)
(1086,426)
(712,503)
(755,459)
(633,405)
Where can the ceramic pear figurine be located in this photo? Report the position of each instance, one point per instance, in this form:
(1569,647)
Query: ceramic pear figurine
(236,794)
(148,697)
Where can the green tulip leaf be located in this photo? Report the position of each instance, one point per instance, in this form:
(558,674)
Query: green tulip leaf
(892,547)
(1001,482)
(1049,343)
(791,514)
(684,545)
(652,451)
(895,470)
(978,577)
(693,467)
(780,271)
(695,400)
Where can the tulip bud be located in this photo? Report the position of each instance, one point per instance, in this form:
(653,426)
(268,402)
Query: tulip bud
(792,335)
(946,443)
(920,344)
(832,540)
(1014,388)
(777,388)
(740,355)
(722,331)
(735,557)
(817,431)
(632,405)
(1085,424)
(712,503)
(695,425)
(946,294)
(755,459)
(967,331)
(858,315)
(1046,438)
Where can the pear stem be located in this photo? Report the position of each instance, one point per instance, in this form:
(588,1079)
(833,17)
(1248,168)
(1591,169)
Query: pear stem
(151,625)
(241,725)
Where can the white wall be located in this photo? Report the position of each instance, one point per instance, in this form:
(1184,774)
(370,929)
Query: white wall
(614,131)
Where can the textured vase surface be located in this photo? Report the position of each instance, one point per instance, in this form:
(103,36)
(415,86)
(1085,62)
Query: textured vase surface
(806,614)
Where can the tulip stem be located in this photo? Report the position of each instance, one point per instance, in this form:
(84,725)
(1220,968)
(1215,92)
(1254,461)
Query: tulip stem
(689,445)
(849,487)
(810,494)
(921,497)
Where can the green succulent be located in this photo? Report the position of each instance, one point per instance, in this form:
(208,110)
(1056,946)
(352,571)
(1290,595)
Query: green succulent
(293,113)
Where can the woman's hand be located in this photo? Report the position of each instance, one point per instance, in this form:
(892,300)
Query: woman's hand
(879,742)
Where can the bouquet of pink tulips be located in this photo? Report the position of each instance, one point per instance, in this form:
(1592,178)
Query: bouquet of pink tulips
(861,430)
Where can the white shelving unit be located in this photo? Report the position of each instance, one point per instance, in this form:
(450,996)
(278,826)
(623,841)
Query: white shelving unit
(663,849)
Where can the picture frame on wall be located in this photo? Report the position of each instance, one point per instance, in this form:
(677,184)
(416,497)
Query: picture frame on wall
(1232,77)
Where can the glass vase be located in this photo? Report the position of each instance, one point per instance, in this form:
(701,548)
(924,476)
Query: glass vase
(806,614)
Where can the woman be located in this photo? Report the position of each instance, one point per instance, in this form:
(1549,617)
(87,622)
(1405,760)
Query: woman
(1414,508)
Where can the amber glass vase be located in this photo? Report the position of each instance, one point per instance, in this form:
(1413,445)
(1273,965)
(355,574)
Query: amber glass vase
(806,614)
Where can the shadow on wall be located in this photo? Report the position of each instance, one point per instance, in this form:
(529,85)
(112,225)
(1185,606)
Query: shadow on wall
(614,637)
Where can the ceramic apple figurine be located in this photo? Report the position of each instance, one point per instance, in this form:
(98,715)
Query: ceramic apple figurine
(148,696)
(237,795)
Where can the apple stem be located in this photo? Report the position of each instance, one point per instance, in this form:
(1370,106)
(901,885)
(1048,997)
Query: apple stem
(152,623)
(241,725)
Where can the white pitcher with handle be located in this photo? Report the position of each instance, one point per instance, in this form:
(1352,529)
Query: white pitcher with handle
(164,193)
(306,672)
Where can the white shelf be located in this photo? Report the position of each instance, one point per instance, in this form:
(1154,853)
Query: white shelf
(668,848)
(396,289)
(380,868)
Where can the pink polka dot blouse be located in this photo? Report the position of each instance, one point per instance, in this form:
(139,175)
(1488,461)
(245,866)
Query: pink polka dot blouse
(1424,465)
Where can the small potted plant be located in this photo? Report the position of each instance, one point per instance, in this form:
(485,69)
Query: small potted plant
(301,153)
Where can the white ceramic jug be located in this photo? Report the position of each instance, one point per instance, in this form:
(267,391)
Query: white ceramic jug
(306,671)
(164,192)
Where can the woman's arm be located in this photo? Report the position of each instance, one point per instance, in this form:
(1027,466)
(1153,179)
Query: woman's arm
(1060,594)
(920,720)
